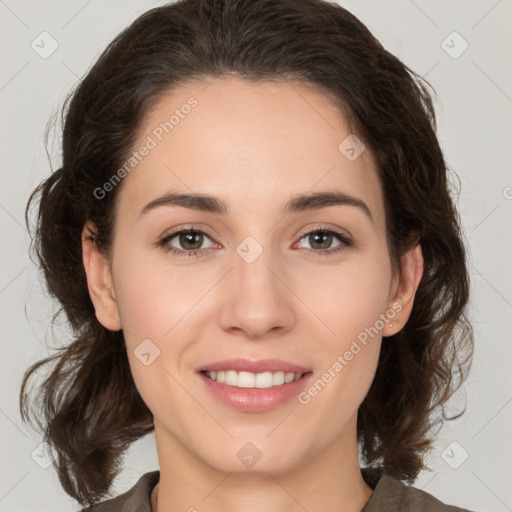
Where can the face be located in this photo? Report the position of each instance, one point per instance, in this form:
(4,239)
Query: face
(284,288)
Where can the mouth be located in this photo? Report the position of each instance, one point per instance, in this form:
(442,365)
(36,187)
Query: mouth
(245,379)
(254,386)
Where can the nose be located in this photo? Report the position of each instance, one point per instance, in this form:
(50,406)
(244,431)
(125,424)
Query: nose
(257,301)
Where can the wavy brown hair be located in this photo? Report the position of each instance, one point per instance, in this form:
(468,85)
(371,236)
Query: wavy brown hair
(88,407)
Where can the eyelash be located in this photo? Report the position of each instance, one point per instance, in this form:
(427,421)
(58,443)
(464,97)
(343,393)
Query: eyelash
(345,242)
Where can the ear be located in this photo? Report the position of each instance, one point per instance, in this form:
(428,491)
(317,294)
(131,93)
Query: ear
(404,290)
(99,280)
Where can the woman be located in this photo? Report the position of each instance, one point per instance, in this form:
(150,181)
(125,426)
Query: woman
(211,141)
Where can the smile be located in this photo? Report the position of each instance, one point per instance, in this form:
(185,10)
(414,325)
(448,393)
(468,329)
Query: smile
(253,380)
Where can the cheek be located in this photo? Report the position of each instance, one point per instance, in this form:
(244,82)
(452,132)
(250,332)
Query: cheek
(362,301)
(348,298)
(348,351)
(152,299)
(158,306)
(156,301)
(153,314)
(350,304)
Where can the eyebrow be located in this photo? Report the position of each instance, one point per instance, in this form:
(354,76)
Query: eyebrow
(299,203)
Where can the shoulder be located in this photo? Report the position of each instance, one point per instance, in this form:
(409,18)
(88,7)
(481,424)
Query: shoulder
(388,494)
(135,499)
(392,494)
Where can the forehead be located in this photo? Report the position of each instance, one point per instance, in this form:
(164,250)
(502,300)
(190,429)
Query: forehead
(254,144)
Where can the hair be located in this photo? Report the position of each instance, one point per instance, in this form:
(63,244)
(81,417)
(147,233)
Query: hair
(88,407)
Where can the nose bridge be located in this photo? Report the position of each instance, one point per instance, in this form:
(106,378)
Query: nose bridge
(253,264)
(257,300)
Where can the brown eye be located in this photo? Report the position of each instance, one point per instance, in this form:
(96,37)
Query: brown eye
(321,241)
(322,238)
(189,242)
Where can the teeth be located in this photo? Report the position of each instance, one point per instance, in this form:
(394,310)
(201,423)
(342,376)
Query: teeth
(253,380)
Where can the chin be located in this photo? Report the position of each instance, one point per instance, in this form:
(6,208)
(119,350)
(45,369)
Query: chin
(255,458)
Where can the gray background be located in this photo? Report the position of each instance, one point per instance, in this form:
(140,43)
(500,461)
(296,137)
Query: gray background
(474,107)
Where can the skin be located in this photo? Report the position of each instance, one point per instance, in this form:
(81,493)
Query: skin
(255,146)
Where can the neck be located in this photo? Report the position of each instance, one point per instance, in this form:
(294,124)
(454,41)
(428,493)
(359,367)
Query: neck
(329,482)
(154,498)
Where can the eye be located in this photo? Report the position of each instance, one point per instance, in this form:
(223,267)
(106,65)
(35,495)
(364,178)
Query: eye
(321,239)
(190,240)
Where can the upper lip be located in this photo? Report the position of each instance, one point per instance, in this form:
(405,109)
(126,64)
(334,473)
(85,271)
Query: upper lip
(247,365)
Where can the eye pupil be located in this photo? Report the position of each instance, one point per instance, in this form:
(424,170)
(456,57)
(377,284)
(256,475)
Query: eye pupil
(319,235)
(189,238)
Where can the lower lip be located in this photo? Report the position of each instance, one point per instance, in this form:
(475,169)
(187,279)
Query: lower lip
(256,399)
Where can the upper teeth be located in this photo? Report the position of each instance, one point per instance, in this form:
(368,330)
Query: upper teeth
(253,380)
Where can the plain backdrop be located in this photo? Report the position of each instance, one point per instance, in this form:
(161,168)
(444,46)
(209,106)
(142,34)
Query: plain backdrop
(472,461)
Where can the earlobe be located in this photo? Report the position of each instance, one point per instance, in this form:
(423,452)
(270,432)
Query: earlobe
(99,280)
(408,281)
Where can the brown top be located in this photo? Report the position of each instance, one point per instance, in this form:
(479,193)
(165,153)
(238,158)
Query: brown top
(389,495)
